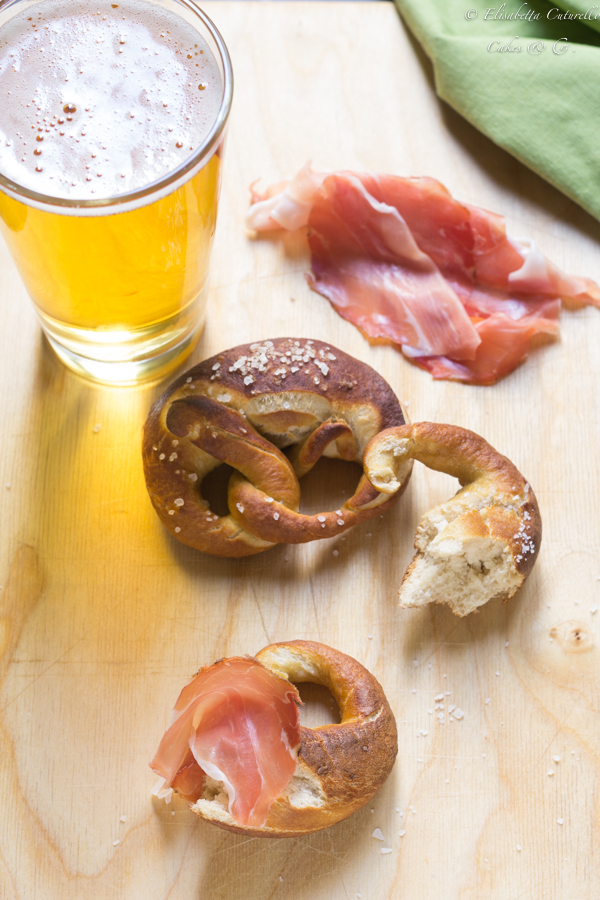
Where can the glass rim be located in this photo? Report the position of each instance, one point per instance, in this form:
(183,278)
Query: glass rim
(159,185)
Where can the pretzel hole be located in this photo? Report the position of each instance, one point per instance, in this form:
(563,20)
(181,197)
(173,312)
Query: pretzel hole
(319,706)
(214,489)
(328,485)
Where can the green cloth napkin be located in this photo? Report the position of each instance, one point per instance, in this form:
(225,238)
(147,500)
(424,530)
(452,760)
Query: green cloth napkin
(542,104)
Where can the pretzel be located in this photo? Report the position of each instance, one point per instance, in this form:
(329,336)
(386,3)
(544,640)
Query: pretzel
(340,767)
(480,545)
(242,407)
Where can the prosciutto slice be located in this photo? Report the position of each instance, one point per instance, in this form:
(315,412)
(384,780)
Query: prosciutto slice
(238,723)
(406,262)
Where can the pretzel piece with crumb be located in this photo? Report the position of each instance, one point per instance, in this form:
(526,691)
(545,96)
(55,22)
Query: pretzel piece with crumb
(480,545)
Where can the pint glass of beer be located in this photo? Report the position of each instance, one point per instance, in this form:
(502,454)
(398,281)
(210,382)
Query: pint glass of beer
(112,124)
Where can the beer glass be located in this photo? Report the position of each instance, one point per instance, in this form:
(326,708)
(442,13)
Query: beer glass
(120,282)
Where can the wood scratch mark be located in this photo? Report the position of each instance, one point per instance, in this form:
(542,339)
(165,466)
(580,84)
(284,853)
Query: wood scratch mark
(442,642)
(41,674)
(262,621)
(344,886)
(314,606)
(555,735)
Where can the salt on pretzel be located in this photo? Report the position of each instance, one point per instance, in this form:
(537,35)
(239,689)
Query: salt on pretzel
(480,545)
(242,407)
(340,767)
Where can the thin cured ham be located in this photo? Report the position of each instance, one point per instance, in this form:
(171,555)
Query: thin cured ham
(237,723)
(406,262)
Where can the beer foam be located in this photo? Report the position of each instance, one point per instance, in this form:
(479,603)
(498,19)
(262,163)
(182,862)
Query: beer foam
(99,99)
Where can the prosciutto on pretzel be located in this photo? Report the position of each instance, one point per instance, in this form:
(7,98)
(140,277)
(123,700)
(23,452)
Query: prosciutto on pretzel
(236,752)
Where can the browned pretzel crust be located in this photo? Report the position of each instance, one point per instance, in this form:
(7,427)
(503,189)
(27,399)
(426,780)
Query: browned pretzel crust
(242,407)
(340,767)
(480,545)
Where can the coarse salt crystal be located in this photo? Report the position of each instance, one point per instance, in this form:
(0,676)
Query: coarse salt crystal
(458,713)
(188,380)
(193,477)
(378,835)
(123,819)
(177,530)
(115,843)
(161,456)
(97,428)
(248,379)
(519,847)
(386,849)
(561,821)
(179,501)
(550,771)
(336,552)
(556,758)
(402,833)
(276,516)
(439,697)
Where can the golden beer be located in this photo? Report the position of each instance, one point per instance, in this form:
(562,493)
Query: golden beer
(110,169)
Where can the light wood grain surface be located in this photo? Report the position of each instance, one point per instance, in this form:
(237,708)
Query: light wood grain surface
(103,617)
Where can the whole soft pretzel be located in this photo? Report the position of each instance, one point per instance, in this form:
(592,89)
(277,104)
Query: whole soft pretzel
(242,407)
(478,546)
(338,767)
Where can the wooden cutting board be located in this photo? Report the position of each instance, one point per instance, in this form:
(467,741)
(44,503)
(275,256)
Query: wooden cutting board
(103,617)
